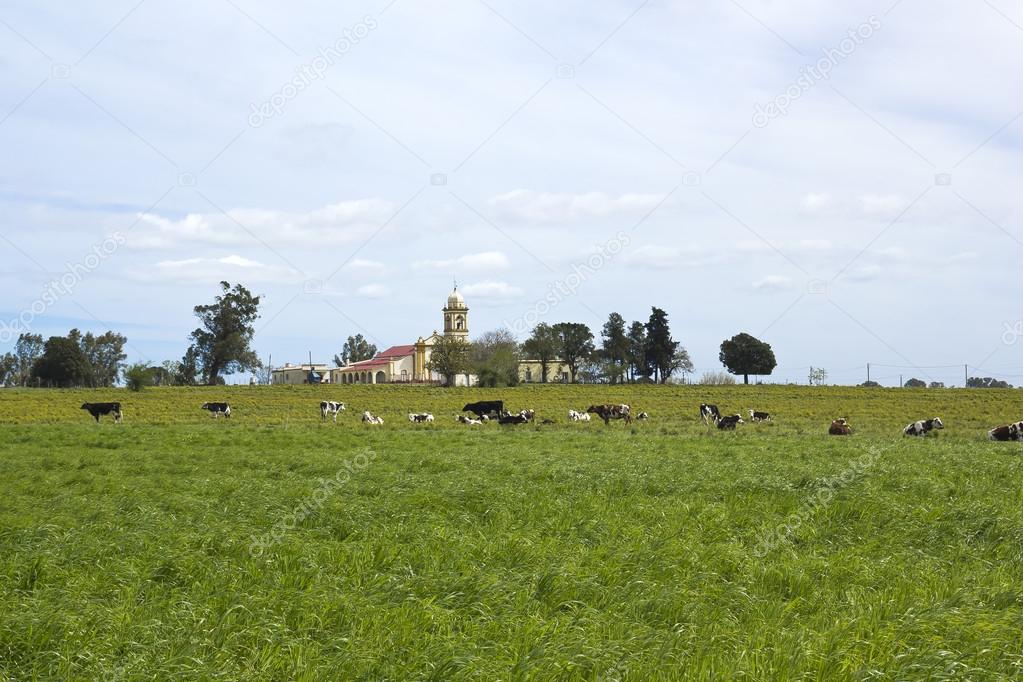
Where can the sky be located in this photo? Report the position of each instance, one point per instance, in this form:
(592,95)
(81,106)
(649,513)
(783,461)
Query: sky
(838,179)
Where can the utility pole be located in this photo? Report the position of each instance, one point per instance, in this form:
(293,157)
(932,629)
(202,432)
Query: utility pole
(900,381)
(868,372)
(966,376)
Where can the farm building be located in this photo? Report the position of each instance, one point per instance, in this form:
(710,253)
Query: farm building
(300,374)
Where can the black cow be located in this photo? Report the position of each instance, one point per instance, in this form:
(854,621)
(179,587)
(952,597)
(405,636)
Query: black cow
(759,416)
(98,409)
(217,409)
(728,423)
(709,413)
(922,428)
(485,408)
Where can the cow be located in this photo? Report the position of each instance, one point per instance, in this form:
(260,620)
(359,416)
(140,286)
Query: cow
(642,416)
(528,414)
(922,428)
(578,416)
(609,412)
(98,409)
(728,423)
(759,416)
(462,419)
(368,418)
(418,418)
(217,409)
(485,407)
(840,427)
(506,419)
(328,407)
(1007,432)
(709,413)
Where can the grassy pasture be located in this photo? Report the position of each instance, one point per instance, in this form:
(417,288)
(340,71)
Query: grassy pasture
(272,546)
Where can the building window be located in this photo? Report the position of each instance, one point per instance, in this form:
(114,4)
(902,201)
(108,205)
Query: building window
(529,375)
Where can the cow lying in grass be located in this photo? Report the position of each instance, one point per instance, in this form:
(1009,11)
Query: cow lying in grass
(420,417)
(368,418)
(98,409)
(840,427)
(728,423)
(578,416)
(468,421)
(1008,432)
(755,416)
(922,428)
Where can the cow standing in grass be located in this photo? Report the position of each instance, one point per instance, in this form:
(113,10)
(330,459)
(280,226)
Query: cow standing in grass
(1007,432)
(922,428)
(609,412)
(98,409)
(709,413)
(217,409)
(728,423)
(328,408)
(759,416)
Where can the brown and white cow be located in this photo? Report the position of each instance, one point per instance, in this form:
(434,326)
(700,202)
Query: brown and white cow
(1008,432)
(840,427)
(609,412)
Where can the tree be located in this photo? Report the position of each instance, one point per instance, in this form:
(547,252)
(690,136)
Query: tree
(614,347)
(937,384)
(745,355)
(187,371)
(8,369)
(870,384)
(450,357)
(139,376)
(105,353)
(660,347)
(986,382)
(222,343)
(818,376)
(915,383)
(575,344)
(356,349)
(495,358)
(166,373)
(639,368)
(27,350)
(681,362)
(541,346)
(63,364)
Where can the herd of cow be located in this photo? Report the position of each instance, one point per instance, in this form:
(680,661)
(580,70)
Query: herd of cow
(487,410)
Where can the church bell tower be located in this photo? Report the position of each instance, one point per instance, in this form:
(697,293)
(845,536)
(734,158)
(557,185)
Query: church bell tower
(456,316)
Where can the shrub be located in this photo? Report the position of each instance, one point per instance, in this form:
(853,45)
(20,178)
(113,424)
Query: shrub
(717,379)
(138,376)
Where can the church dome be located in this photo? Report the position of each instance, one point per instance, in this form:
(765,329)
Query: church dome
(455,300)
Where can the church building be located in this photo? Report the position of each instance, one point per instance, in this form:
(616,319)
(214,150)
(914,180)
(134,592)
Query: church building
(407,364)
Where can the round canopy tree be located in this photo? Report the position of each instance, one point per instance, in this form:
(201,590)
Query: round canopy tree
(743,354)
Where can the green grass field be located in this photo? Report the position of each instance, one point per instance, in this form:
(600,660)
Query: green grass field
(272,546)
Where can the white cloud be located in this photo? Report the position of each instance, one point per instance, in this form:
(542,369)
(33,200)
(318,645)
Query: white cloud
(492,290)
(337,223)
(546,207)
(882,204)
(232,267)
(670,257)
(366,267)
(772,283)
(815,202)
(472,262)
(373,291)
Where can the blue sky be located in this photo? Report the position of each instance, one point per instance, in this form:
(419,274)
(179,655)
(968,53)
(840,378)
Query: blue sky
(504,144)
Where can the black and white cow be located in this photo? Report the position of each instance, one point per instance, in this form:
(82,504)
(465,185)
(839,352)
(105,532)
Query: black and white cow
(709,413)
(578,416)
(507,418)
(217,409)
(1008,432)
(642,416)
(728,423)
(759,416)
(328,408)
(609,412)
(468,421)
(369,418)
(528,414)
(923,427)
(98,409)
(420,417)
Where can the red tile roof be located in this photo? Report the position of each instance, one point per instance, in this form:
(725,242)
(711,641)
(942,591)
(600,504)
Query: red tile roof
(396,352)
